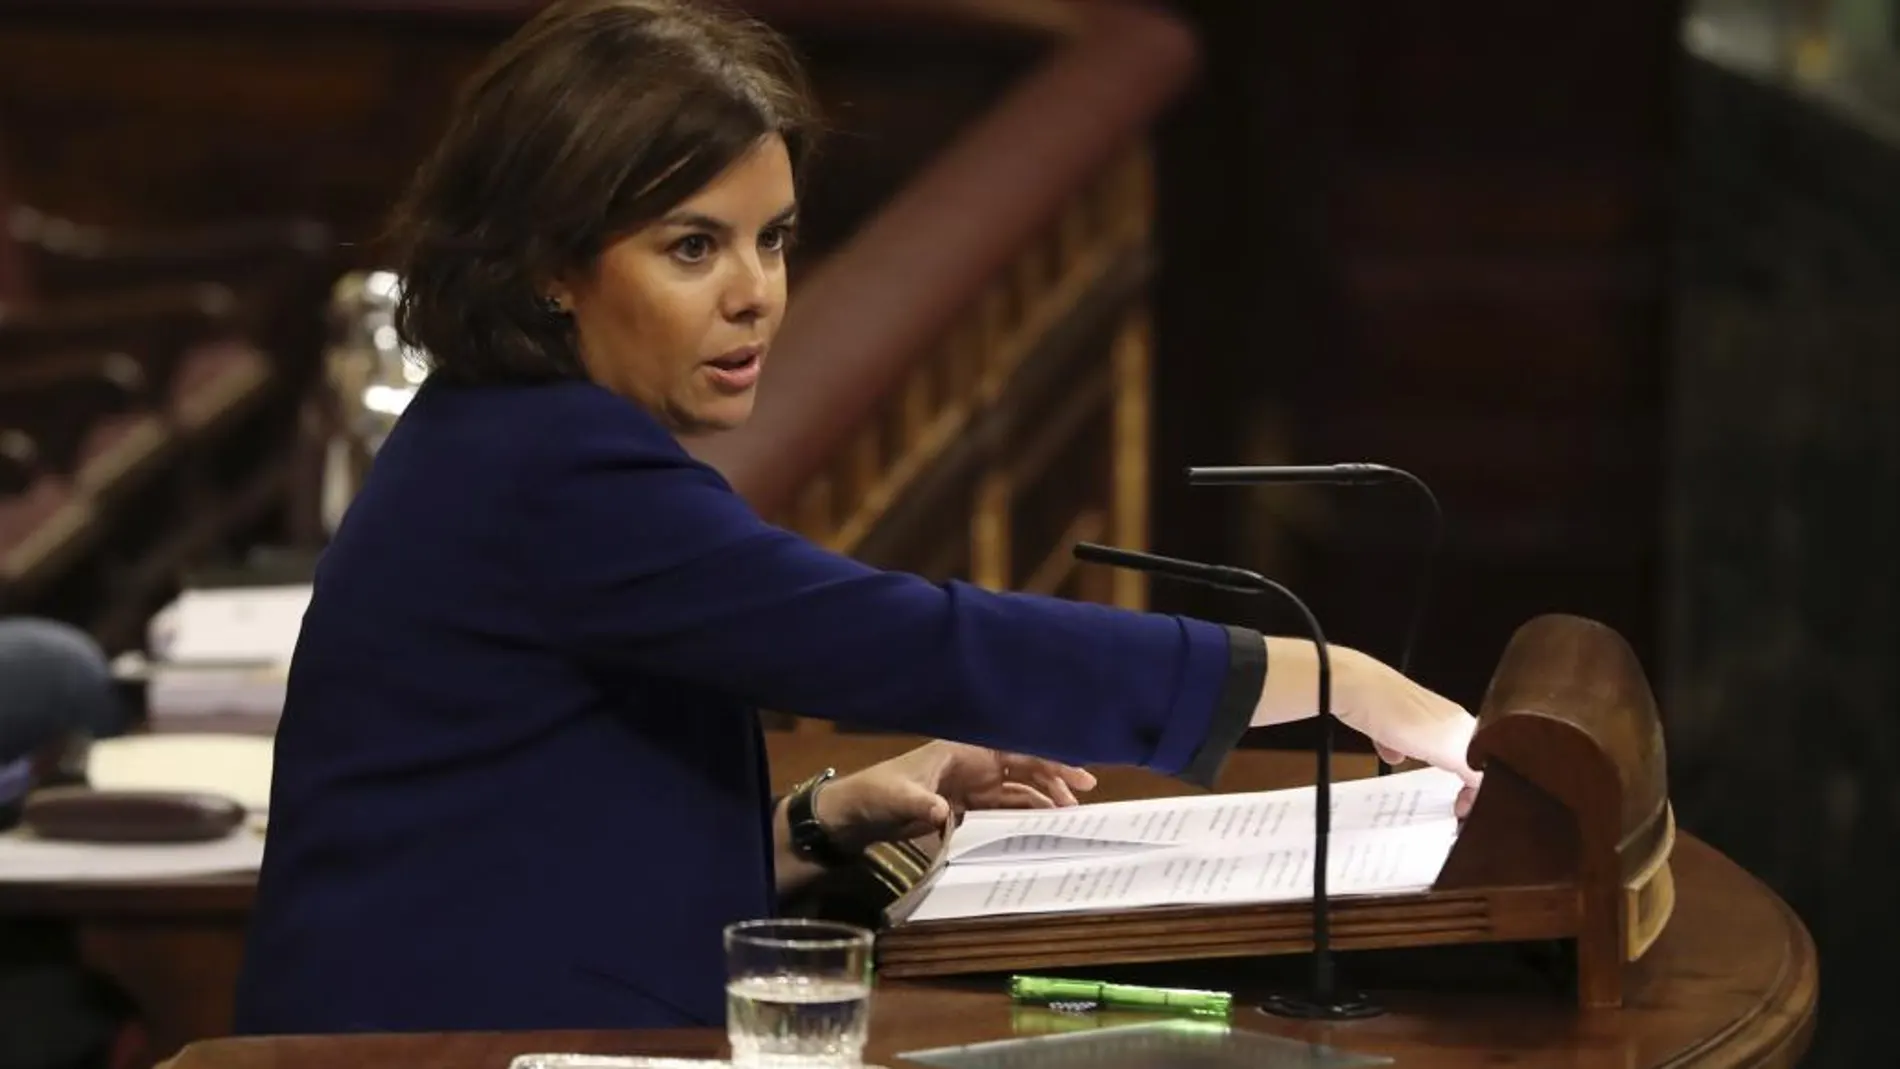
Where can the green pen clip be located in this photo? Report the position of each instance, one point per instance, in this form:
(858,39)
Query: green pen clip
(1049,990)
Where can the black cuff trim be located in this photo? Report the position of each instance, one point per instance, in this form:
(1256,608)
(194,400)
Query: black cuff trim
(1233,712)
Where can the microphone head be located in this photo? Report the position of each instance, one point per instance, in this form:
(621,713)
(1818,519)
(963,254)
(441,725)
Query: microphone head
(1219,576)
(1349,473)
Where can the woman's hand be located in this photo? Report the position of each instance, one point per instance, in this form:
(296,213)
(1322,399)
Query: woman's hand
(1403,719)
(916,793)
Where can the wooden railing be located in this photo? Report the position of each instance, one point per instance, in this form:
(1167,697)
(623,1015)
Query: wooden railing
(145,409)
(952,392)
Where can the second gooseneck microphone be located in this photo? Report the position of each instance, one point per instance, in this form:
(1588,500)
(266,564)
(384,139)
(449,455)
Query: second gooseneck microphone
(1323,1000)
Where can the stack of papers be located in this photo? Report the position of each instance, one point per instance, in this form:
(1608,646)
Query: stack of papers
(223,657)
(1389,835)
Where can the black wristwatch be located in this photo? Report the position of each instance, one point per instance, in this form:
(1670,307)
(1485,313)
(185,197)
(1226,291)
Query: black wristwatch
(810,840)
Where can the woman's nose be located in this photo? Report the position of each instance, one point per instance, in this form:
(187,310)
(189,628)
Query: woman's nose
(749,291)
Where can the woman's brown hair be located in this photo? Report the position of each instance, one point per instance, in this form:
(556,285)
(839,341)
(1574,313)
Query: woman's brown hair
(594,119)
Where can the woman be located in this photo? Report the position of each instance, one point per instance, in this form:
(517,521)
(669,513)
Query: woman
(519,778)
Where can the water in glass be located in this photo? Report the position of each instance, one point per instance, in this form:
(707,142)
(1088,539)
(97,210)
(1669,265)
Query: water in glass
(798,994)
(797,1022)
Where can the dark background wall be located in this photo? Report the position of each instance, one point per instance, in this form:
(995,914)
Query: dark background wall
(1637,318)
(1784,534)
(1434,236)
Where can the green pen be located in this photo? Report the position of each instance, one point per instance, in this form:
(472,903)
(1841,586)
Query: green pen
(1048,989)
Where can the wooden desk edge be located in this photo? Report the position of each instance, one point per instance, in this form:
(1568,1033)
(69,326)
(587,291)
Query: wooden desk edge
(1790,1010)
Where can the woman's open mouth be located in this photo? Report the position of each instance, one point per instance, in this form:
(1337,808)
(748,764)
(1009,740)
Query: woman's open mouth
(738,370)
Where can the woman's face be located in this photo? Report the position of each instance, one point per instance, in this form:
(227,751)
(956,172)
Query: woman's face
(678,316)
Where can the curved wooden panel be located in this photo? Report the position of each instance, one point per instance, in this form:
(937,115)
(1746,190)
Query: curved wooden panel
(1573,676)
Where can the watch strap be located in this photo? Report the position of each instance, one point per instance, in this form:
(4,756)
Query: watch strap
(809,838)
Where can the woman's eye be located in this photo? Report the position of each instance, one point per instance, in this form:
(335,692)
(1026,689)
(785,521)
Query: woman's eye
(776,238)
(693,248)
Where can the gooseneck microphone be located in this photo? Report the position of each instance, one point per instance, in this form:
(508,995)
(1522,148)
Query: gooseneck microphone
(1350,474)
(1324,1000)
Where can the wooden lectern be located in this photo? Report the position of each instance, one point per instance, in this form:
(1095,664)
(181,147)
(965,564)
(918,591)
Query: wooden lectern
(1569,839)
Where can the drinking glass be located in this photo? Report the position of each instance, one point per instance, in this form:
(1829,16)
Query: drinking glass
(798,994)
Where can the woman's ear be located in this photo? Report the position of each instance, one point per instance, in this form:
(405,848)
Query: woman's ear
(557,289)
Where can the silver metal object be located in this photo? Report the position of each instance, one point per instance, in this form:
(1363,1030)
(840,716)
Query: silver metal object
(607,1061)
(615,1061)
(371,375)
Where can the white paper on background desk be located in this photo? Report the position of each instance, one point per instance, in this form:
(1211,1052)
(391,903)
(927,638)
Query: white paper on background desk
(231,625)
(24,859)
(237,767)
(1390,835)
(224,653)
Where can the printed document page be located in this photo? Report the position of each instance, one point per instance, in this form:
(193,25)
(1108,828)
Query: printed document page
(1390,835)
(1375,862)
(1405,799)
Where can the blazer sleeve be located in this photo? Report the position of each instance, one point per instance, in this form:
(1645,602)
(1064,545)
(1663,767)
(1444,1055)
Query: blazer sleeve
(645,557)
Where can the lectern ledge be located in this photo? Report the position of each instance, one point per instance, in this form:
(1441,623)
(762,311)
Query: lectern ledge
(1569,839)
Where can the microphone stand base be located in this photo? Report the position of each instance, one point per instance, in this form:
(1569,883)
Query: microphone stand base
(1342,1006)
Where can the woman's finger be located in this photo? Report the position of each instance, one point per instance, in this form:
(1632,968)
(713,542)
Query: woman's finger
(1047,777)
(1012,796)
(1436,732)
(1057,790)
(1462,807)
(1058,780)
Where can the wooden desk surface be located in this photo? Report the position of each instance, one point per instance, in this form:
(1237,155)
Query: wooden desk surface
(1732,982)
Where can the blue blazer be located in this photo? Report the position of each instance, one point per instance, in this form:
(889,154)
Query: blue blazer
(520,780)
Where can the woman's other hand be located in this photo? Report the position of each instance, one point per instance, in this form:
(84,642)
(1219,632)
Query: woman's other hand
(1403,719)
(916,793)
